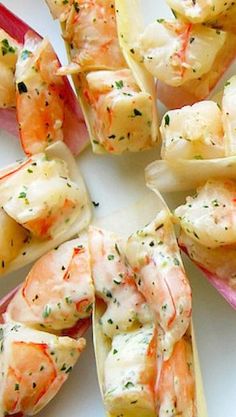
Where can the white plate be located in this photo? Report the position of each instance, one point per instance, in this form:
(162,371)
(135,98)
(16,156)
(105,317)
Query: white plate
(115,182)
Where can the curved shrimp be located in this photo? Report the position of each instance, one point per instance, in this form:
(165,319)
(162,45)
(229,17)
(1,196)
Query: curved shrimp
(34,365)
(121,114)
(176,388)
(91,32)
(193,132)
(9,49)
(199,11)
(40,196)
(115,284)
(58,290)
(39,95)
(176,52)
(153,254)
(209,216)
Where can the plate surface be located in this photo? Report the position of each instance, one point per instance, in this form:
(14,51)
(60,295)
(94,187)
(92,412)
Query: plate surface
(116,182)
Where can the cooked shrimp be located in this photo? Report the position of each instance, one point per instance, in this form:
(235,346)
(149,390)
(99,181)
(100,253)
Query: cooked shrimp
(91,32)
(13,239)
(40,196)
(58,290)
(9,49)
(121,113)
(176,391)
(209,216)
(176,52)
(199,11)
(193,132)
(34,365)
(154,255)
(115,284)
(39,95)
(229,116)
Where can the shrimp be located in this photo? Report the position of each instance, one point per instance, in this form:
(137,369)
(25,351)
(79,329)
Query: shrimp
(199,11)
(39,95)
(34,365)
(193,132)
(228,115)
(9,49)
(176,52)
(154,256)
(13,239)
(91,32)
(115,284)
(121,113)
(209,216)
(176,388)
(58,290)
(40,196)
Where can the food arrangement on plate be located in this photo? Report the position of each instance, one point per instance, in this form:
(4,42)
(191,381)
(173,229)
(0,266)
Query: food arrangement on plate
(131,285)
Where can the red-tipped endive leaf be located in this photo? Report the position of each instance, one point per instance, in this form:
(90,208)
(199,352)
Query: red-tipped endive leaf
(5,301)
(8,121)
(219,284)
(74,128)
(13,24)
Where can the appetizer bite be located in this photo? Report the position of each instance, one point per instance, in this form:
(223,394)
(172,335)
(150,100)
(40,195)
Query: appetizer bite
(30,88)
(117,94)
(58,291)
(34,365)
(188,60)
(198,139)
(207,222)
(41,326)
(188,54)
(142,316)
(43,202)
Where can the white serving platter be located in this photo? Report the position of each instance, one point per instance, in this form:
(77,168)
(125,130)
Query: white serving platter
(117,182)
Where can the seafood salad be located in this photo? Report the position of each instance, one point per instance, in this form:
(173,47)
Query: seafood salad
(118,99)
(142,322)
(43,202)
(35,103)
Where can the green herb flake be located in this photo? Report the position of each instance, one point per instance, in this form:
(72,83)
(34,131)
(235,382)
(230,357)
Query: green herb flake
(22,88)
(129,385)
(119,84)
(110,257)
(22,194)
(25,54)
(137,112)
(167,120)
(176,262)
(17,387)
(47,311)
